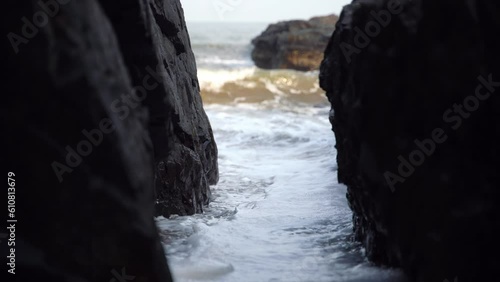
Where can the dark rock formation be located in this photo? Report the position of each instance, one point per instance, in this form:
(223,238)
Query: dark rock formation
(294,44)
(155,44)
(422,174)
(84,150)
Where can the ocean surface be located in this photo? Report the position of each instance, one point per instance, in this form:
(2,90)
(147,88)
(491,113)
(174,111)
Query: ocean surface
(277,213)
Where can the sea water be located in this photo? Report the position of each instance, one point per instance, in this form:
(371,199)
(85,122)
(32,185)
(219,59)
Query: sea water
(278,212)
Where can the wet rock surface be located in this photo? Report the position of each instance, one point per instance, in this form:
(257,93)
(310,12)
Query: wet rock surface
(104,119)
(416,118)
(157,51)
(296,44)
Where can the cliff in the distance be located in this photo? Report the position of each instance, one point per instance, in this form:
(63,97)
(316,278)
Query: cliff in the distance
(102,119)
(416,115)
(296,44)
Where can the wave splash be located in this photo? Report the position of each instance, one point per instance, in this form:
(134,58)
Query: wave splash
(254,85)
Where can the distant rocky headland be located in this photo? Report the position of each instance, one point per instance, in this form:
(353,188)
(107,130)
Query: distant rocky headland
(296,44)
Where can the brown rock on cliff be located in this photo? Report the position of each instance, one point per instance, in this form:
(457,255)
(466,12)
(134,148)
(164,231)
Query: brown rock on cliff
(296,44)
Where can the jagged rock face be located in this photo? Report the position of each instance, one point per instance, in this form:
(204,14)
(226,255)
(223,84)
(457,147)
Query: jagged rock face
(297,44)
(87,156)
(416,115)
(155,43)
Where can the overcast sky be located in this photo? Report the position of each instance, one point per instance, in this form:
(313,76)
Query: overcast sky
(258,10)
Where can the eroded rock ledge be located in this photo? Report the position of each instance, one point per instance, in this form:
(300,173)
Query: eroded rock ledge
(92,158)
(422,174)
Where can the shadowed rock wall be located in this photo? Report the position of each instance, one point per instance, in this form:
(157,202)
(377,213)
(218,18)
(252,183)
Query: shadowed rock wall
(415,111)
(102,119)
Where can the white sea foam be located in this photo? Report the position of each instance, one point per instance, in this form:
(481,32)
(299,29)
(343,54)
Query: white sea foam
(277,212)
(211,79)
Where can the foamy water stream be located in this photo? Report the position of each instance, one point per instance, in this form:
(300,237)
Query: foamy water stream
(278,213)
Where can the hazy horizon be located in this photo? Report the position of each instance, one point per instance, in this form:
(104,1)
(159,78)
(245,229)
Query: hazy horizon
(246,11)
